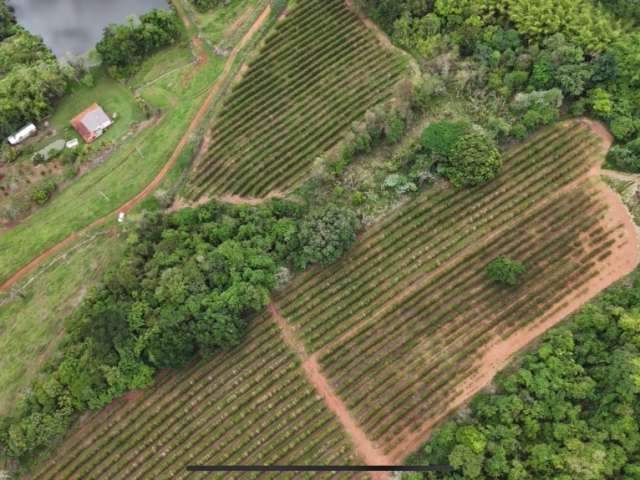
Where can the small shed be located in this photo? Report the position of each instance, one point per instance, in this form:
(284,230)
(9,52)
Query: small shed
(73,143)
(50,150)
(91,123)
(22,134)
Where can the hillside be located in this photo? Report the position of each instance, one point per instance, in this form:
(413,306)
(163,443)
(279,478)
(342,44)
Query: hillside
(351,331)
(320,70)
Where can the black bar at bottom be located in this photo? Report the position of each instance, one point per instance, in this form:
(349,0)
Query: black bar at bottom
(319,468)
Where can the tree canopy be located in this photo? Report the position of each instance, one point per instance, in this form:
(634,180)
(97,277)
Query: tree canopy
(188,284)
(571,409)
(31,79)
(474,160)
(123,47)
(504,270)
(325,234)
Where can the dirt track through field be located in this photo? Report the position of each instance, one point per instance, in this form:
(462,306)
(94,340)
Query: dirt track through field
(367,451)
(135,200)
(498,354)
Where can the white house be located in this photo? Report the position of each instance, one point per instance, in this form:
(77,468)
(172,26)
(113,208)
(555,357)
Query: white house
(22,134)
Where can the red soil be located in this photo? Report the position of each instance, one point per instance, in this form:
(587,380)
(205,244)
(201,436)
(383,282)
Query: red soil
(497,355)
(132,202)
(367,451)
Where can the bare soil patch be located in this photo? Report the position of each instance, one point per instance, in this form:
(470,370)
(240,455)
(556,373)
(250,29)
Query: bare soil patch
(367,451)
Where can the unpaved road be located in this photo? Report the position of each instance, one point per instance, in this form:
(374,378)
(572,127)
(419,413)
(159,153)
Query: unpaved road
(367,451)
(497,355)
(132,202)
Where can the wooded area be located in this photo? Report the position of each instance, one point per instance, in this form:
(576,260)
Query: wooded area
(569,411)
(188,284)
(520,64)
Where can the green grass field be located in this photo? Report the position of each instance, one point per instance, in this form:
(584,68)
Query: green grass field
(126,171)
(111,95)
(30,326)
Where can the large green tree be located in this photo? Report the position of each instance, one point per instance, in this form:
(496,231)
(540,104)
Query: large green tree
(474,160)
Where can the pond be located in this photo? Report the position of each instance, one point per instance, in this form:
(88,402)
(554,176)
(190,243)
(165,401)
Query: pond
(75,26)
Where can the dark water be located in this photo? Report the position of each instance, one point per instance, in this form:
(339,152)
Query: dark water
(75,26)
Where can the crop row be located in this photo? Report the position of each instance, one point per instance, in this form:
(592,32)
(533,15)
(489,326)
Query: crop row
(424,248)
(251,403)
(415,363)
(320,70)
(397,231)
(304,131)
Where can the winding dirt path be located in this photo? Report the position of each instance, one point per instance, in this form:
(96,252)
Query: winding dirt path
(132,202)
(364,447)
(498,355)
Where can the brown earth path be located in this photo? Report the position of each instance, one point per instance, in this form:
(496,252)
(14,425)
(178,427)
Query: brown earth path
(497,355)
(132,202)
(364,447)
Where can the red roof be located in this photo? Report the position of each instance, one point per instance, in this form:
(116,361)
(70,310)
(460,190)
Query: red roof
(76,122)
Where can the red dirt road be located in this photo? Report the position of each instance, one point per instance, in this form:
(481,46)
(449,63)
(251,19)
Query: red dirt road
(497,355)
(367,451)
(132,202)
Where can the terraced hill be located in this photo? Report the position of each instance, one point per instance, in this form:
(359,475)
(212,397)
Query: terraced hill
(318,72)
(357,361)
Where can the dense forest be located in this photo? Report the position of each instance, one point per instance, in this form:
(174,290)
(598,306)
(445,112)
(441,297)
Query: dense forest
(188,285)
(123,47)
(519,64)
(569,411)
(31,79)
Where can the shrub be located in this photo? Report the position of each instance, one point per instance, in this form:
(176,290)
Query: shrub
(42,192)
(395,127)
(325,233)
(622,127)
(504,270)
(623,158)
(439,138)
(399,183)
(473,161)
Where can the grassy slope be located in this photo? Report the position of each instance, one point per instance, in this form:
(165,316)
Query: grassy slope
(126,171)
(30,326)
(113,97)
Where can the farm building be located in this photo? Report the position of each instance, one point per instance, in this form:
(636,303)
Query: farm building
(91,123)
(22,134)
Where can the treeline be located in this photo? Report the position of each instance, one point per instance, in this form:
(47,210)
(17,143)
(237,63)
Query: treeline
(123,47)
(187,285)
(570,411)
(31,79)
(520,63)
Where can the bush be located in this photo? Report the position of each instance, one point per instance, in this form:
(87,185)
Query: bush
(474,160)
(622,127)
(439,138)
(325,234)
(505,271)
(42,192)
(623,158)
(395,127)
